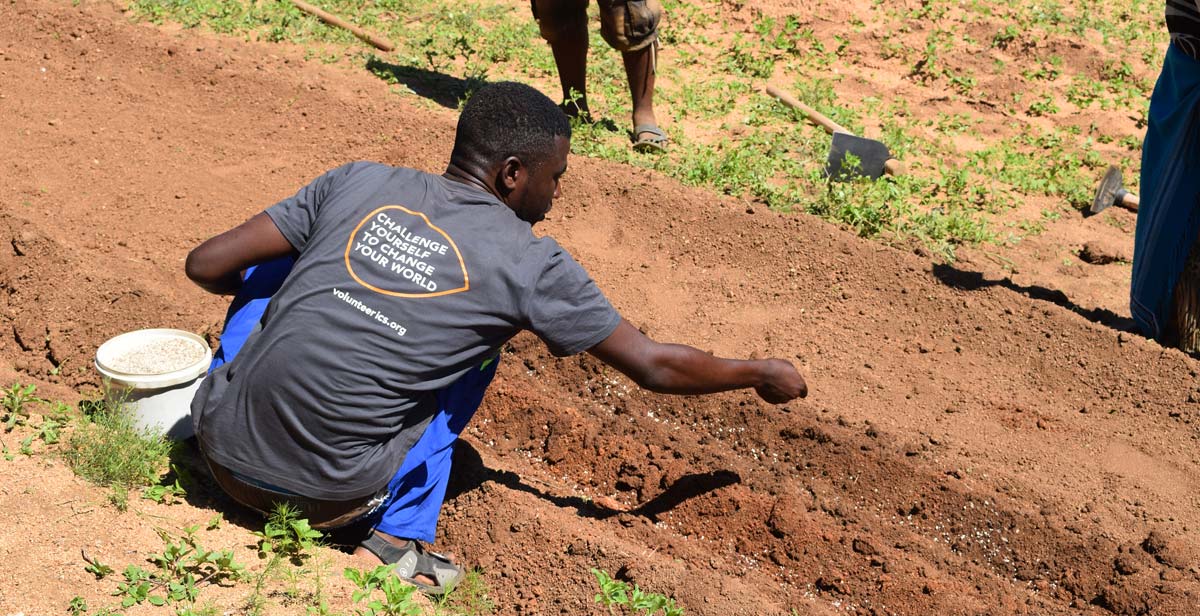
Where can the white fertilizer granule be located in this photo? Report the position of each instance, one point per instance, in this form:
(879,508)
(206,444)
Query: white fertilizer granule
(158,356)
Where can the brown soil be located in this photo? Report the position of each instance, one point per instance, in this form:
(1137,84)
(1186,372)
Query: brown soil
(973,443)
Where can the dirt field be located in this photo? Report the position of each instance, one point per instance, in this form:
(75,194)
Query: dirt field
(973,444)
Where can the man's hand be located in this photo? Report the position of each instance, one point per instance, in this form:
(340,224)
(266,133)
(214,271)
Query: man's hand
(781,382)
(681,369)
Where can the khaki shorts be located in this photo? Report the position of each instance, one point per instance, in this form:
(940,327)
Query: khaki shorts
(626,25)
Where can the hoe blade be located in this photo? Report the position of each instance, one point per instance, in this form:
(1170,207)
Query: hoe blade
(871,156)
(1106,194)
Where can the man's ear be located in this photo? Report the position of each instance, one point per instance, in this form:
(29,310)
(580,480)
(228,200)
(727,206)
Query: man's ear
(513,174)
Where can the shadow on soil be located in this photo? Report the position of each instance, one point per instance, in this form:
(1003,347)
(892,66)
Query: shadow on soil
(973,281)
(470,473)
(201,490)
(445,90)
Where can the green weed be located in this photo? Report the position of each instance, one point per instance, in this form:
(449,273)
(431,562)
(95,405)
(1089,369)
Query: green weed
(305,585)
(468,598)
(77,607)
(385,594)
(1048,70)
(97,568)
(15,403)
(167,494)
(1043,106)
(396,599)
(616,595)
(1005,37)
(285,537)
(107,449)
(180,570)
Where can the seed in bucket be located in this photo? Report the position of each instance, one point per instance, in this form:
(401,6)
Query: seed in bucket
(159,357)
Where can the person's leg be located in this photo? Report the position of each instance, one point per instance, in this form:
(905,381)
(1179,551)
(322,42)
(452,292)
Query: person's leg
(563,23)
(419,487)
(631,27)
(639,71)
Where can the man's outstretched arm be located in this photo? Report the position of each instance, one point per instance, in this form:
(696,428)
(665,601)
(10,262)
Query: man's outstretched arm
(217,264)
(681,369)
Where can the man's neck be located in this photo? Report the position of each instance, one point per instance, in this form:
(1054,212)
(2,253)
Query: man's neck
(464,176)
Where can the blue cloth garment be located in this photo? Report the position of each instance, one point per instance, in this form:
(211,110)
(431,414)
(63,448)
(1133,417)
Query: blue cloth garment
(419,487)
(416,491)
(1168,217)
(258,285)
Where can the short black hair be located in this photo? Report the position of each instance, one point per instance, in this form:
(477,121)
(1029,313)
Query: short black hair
(505,119)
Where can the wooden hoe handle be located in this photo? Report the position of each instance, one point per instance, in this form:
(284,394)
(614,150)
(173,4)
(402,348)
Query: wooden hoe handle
(816,116)
(894,167)
(333,20)
(891,166)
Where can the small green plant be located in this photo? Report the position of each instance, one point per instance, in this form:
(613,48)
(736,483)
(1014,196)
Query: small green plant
(612,592)
(397,599)
(1084,92)
(108,450)
(96,568)
(16,399)
(746,59)
(1049,70)
(469,597)
(1005,37)
(167,494)
(180,571)
(1130,142)
(287,535)
(77,607)
(963,82)
(306,584)
(616,595)
(1043,106)
(118,497)
(48,430)
(15,403)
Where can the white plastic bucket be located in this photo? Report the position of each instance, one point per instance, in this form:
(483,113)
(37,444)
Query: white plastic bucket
(158,401)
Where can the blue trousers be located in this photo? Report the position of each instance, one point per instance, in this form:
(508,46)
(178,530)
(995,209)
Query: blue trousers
(1169,214)
(416,491)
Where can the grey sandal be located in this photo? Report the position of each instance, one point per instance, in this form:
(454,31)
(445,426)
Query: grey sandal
(412,559)
(648,138)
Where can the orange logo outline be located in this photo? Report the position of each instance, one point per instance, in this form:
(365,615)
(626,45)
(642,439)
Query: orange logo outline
(449,241)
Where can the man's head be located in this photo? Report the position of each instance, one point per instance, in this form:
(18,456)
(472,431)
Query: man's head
(516,140)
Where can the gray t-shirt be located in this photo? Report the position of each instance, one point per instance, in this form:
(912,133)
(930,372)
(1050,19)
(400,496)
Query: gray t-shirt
(404,281)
